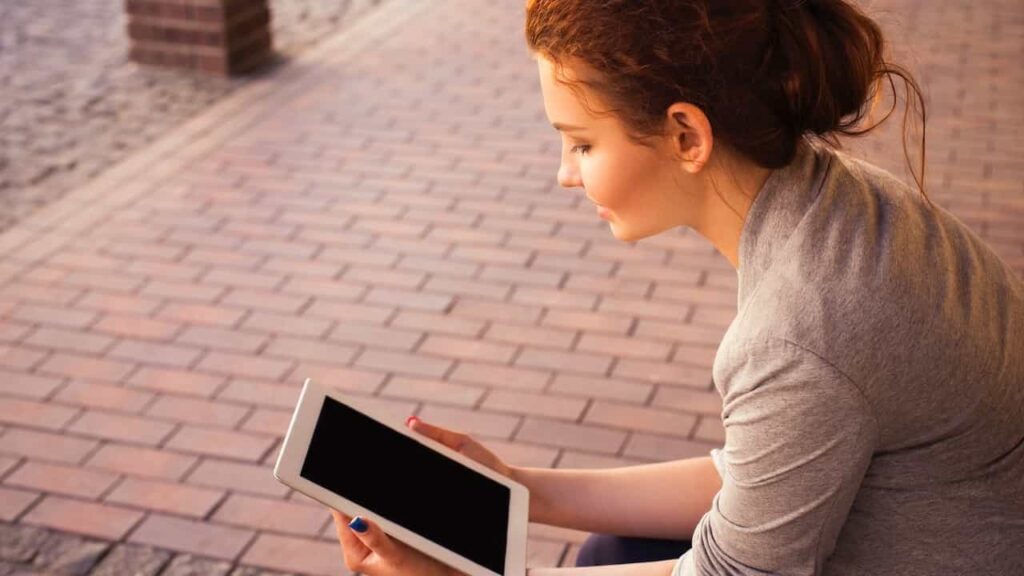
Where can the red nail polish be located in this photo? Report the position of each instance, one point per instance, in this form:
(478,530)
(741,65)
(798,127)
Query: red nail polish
(410,420)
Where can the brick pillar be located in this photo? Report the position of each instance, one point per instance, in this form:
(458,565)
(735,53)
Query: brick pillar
(219,36)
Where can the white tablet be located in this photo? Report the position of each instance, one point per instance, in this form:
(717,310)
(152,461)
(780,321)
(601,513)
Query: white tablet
(419,491)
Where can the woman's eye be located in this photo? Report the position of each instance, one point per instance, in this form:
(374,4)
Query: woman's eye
(582,149)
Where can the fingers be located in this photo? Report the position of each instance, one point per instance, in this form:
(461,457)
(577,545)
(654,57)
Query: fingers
(372,537)
(453,440)
(352,548)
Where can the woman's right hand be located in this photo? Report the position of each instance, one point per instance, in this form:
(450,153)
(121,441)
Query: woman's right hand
(461,443)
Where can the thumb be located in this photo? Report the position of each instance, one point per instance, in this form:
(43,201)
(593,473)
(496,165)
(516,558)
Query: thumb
(370,534)
(453,440)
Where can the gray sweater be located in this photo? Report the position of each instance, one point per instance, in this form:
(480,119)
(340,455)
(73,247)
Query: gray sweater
(872,385)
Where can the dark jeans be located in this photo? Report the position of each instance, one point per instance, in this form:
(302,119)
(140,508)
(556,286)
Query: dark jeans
(605,549)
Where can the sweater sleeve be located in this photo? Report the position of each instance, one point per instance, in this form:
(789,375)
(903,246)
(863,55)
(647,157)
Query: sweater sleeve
(799,437)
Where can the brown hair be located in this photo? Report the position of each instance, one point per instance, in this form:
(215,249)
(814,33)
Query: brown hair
(765,72)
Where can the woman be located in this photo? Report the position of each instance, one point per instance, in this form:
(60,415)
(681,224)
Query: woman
(873,378)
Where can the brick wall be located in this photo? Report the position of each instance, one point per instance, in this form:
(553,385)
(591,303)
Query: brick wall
(218,36)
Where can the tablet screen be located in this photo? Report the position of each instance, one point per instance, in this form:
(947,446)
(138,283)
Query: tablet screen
(386,472)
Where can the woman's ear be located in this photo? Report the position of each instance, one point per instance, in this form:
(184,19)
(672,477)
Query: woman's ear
(690,137)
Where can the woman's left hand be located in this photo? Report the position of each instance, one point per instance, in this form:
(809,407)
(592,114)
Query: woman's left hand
(374,553)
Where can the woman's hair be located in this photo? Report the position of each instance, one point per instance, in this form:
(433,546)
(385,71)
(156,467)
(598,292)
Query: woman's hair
(765,72)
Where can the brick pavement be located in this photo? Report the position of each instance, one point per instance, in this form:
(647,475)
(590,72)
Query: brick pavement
(382,215)
(72,104)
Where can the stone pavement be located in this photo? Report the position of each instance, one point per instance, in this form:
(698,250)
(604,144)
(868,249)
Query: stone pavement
(72,104)
(382,215)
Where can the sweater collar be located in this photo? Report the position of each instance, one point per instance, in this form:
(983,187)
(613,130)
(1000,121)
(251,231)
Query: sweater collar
(784,199)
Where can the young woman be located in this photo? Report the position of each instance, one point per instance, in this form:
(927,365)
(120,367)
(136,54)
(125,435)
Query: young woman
(873,378)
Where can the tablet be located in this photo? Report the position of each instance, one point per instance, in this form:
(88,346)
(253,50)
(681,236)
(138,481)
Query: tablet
(340,452)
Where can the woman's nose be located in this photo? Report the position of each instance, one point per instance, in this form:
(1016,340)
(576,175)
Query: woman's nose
(568,177)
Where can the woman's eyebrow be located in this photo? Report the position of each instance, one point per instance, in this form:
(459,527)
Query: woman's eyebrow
(566,127)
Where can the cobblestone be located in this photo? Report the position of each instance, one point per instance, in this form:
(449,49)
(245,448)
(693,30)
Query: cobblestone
(28,550)
(72,105)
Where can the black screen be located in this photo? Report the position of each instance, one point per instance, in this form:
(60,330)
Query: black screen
(413,486)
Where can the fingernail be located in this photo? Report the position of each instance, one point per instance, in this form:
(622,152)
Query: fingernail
(358,525)
(409,421)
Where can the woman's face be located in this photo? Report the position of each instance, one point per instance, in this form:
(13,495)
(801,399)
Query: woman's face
(641,189)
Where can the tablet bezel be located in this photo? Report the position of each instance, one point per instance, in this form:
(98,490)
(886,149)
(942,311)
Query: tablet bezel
(293,455)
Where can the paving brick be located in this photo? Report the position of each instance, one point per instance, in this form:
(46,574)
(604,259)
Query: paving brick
(579,362)
(173,498)
(432,391)
(61,479)
(130,429)
(641,418)
(17,383)
(301,326)
(664,373)
(311,350)
(103,396)
(176,381)
(36,414)
(261,393)
(495,375)
(118,303)
(69,340)
(290,554)
(533,335)
(467,349)
(222,339)
(242,279)
(642,308)
(272,515)
(602,387)
(13,502)
(216,442)
(7,463)
(659,448)
(75,365)
(139,461)
(11,331)
(526,403)
(710,429)
(411,364)
(572,459)
(132,326)
(88,518)
(53,316)
(624,347)
(238,477)
(193,537)
(45,445)
(201,314)
(589,321)
(361,275)
(704,403)
(609,286)
(556,433)
(500,311)
(376,336)
(183,291)
(244,365)
(40,293)
(270,301)
(193,410)
(169,355)
(20,358)
(266,421)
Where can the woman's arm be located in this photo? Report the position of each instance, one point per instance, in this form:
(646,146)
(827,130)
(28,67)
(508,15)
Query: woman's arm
(663,568)
(664,500)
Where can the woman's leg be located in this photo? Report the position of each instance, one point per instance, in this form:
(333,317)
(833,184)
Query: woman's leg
(605,549)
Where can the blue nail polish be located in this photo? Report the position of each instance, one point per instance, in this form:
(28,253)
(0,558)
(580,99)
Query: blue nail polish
(358,525)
